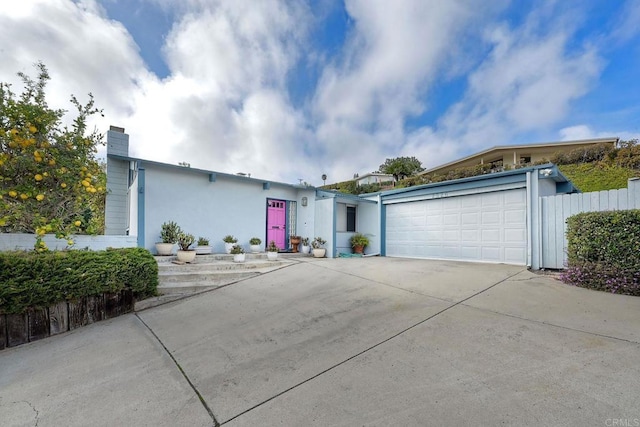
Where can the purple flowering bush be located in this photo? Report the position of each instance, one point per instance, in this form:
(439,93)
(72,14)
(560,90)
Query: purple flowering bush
(604,251)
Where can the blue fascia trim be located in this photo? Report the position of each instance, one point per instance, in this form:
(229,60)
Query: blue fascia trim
(141,206)
(333,231)
(456,186)
(473,179)
(324,194)
(208,172)
(383,229)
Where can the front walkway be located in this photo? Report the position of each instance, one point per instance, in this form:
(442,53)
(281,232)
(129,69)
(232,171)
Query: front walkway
(373,341)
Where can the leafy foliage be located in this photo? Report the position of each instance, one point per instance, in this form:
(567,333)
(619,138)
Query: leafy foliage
(597,176)
(170,232)
(50,180)
(359,239)
(29,279)
(272,247)
(318,243)
(237,250)
(401,167)
(604,251)
(185,240)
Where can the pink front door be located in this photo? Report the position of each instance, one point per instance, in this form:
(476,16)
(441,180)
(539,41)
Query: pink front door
(276,222)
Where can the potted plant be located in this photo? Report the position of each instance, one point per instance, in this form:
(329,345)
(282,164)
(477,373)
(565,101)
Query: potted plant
(305,245)
(184,242)
(272,251)
(295,241)
(318,247)
(169,232)
(238,253)
(254,245)
(229,241)
(358,242)
(203,247)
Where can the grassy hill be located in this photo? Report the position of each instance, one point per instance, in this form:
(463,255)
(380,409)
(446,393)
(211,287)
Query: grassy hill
(598,176)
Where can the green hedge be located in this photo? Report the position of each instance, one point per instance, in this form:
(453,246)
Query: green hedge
(604,251)
(29,279)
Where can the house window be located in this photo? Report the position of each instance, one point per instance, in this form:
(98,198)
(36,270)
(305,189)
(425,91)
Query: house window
(524,160)
(345,217)
(351,218)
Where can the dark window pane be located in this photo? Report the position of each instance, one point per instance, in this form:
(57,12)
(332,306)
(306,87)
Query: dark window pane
(351,218)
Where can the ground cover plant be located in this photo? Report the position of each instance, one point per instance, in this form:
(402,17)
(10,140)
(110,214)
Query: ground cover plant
(604,251)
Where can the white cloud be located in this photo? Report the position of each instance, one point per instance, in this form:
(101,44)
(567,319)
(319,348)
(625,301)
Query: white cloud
(83,51)
(225,104)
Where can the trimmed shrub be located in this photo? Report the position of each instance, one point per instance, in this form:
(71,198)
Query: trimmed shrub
(604,251)
(29,279)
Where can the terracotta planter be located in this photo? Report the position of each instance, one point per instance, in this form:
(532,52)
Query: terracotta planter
(358,249)
(164,248)
(255,249)
(272,256)
(319,253)
(186,256)
(238,257)
(295,241)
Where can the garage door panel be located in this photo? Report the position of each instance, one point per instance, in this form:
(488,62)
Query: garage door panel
(490,218)
(514,235)
(481,227)
(470,218)
(515,217)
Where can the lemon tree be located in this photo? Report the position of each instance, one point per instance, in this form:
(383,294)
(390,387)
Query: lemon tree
(50,179)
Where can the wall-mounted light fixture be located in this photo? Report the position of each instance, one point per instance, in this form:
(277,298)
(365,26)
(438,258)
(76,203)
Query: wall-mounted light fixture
(304,201)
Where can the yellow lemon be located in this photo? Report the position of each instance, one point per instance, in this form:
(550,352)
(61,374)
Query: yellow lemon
(63,185)
(13,193)
(70,242)
(32,129)
(24,196)
(52,162)
(92,189)
(38,159)
(40,197)
(38,177)
(77,223)
(86,183)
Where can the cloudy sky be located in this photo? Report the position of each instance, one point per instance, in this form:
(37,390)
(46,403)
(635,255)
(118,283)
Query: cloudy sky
(289,90)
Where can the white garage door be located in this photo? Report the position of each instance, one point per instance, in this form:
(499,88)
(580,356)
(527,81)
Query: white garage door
(488,227)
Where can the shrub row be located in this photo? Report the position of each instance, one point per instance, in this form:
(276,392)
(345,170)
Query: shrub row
(29,279)
(604,251)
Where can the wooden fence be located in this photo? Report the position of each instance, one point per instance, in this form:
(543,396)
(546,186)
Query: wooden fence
(556,209)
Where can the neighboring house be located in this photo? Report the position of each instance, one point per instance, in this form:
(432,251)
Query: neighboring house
(487,218)
(374,178)
(510,155)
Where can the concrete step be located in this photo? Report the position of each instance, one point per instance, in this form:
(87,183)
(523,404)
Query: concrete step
(203,276)
(229,257)
(201,265)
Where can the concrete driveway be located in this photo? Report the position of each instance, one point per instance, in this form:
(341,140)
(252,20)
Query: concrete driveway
(372,341)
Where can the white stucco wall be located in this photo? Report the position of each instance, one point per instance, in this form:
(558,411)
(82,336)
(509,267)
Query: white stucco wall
(324,223)
(25,242)
(369,225)
(230,205)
